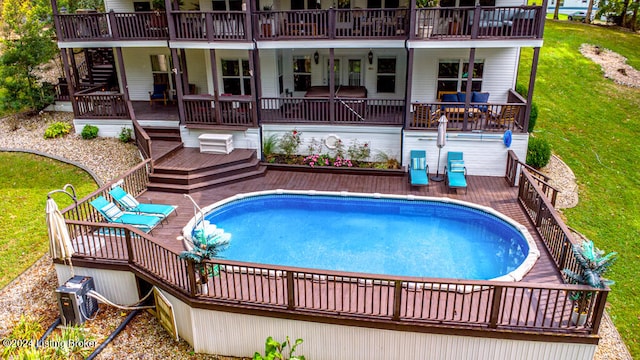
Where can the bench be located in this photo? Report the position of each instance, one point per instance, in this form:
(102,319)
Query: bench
(216,143)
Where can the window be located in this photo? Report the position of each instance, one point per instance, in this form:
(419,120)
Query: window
(300,4)
(236,78)
(161,70)
(227,5)
(386,4)
(301,73)
(453,75)
(386,82)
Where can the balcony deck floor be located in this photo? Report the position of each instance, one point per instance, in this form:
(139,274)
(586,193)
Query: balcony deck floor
(493,192)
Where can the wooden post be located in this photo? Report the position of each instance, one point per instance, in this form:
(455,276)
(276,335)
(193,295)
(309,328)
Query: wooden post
(332,86)
(397,300)
(252,85)
(291,301)
(332,23)
(216,90)
(178,85)
(601,302)
(127,239)
(70,82)
(111,18)
(413,15)
(191,275)
(409,94)
(475,28)
(532,82)
(467,98)
(124,84)
(495,307)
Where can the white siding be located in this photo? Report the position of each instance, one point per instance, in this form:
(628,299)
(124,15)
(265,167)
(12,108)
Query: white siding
(500,68)
(106,128)
(269,73)
(249,139)
(197,69)
(119,287)
(118,5)
(242,335)
(380,139)
(484,153)
(138,68)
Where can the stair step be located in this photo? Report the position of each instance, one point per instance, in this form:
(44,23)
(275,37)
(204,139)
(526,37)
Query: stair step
(205,175)
(163,133)
(176,188)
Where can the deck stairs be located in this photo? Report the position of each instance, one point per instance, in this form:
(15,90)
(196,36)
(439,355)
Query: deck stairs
(102,69)
(185,170)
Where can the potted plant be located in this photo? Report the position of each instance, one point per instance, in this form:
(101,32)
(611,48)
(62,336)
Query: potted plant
(207,243)
(594,265)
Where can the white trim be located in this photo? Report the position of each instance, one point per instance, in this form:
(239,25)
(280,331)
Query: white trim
(478,44)
(212,45)
(336,44)
(103,44)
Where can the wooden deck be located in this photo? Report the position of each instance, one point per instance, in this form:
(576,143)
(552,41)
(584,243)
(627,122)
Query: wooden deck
(493,192)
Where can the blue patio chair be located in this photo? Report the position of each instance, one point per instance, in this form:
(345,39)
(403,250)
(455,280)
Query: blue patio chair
(455,171)
(418,168)
(159,93)
(113,214)
(129,203)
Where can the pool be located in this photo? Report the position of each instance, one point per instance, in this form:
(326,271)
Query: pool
(373,233)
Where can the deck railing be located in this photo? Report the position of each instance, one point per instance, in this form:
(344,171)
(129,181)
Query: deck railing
(477,116)
(211,25)
(461,23)
(512,175)
(478,22)
(96,104)
(465,304)
(340,110)
(234,110)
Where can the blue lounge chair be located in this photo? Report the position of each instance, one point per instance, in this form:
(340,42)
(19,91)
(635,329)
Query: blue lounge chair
(113,214)
(455,171)
(418,168)
(129,203)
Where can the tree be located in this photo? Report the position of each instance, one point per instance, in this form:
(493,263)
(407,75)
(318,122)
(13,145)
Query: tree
(27,43)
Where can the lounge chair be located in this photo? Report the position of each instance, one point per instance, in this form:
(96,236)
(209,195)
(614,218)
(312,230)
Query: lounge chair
(113,214)
(418,168)
(455,171)
(129,203)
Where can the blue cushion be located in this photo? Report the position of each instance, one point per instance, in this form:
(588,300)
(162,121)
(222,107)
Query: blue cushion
(462,97)
(159,88)
(479,97)
(450,98)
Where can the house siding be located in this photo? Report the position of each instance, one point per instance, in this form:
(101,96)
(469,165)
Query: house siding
(500,69)
(119,287)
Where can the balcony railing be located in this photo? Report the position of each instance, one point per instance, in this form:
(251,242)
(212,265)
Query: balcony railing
(478,22)
(338,111)
(234,110)
(97,104)
(430,24)
(216,25)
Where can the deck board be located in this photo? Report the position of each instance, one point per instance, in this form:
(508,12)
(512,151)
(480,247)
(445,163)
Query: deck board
(493,192)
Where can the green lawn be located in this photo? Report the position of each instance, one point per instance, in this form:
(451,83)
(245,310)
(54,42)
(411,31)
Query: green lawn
(593,125)
(25,180)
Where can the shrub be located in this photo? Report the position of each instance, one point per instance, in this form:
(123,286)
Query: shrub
(89,132)
(289,142)
(57,129)
(269,147)
(533,117)
(359,152)
(522,90)
(538,153)
(126,134)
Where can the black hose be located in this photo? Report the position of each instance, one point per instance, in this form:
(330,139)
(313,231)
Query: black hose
(113,335)
(56,322)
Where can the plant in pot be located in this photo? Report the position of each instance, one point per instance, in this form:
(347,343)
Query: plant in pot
(206,243)
(594,264)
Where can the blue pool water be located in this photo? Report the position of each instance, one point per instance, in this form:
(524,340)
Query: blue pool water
(369,235)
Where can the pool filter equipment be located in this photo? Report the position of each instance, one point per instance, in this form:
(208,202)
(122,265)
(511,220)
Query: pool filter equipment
(73,301)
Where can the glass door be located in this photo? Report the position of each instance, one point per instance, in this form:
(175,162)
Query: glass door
(355,72)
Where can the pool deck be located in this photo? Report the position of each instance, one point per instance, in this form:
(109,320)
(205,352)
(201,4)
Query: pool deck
(493,192)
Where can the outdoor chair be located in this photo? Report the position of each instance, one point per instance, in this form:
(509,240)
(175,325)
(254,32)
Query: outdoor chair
(113,214)
(129,203)
(423,117)
(418,168)
(159,93)
(455,171)
(505,118)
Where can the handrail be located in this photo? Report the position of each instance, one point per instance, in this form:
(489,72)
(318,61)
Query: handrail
(514,165)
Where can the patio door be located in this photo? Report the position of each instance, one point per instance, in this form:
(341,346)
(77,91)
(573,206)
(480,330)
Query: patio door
(351,75)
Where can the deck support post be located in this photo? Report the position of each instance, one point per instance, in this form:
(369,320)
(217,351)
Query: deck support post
(178,85)
(127,239)
(291,301)
(397,299)
(70,83)
(332,87)
(216,88)
(467,90)
(495,307)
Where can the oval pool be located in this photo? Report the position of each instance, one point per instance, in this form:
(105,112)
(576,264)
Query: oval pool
(373,233)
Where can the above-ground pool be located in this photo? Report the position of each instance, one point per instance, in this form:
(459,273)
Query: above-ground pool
(373,233)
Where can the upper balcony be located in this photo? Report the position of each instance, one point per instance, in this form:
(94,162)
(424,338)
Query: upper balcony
(422,24)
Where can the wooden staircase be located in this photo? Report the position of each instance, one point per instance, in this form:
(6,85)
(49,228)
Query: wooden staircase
(184,170)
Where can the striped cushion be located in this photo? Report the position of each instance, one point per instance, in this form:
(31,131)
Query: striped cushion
(111,211)
(419,163)
(129,201)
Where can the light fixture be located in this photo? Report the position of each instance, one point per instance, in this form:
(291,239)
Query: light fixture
(316,57)
(370,57)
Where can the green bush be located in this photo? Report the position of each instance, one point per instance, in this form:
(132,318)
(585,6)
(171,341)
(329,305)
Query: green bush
(522,90)
(126,135)
(533,117)
(57,129)
(89,132)
(538,153)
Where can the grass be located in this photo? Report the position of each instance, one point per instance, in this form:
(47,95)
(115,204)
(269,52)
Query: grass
(25,180)
(593,125)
